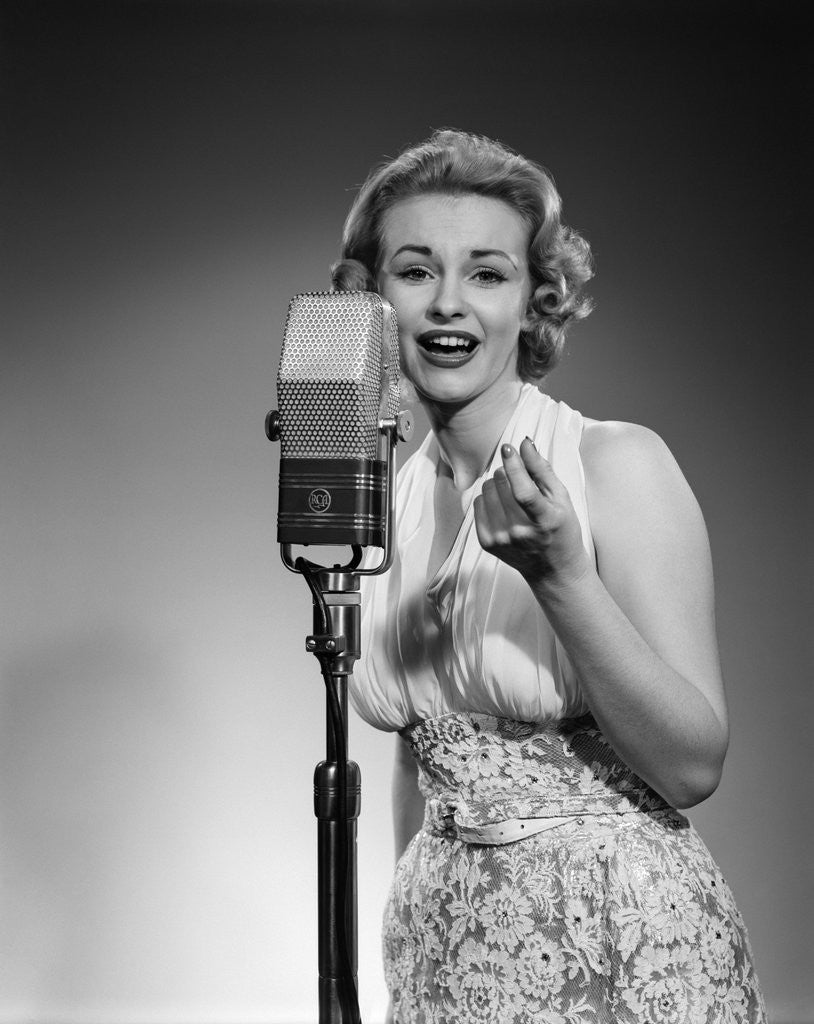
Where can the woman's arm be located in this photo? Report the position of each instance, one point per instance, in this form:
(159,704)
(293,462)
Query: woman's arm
(639,626)
(408,803)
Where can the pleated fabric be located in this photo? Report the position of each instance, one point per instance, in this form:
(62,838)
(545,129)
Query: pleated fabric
(472,637)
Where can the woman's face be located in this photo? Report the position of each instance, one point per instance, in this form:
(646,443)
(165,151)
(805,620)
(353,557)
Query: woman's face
(454,268)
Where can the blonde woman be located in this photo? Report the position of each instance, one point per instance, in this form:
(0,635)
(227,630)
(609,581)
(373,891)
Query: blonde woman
(544,644)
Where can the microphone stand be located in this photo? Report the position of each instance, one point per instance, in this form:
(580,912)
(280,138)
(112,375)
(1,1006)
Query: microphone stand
(337,794)
(336,644)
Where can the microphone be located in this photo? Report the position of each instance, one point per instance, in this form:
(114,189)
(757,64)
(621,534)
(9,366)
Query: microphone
(338,421)
(338,418)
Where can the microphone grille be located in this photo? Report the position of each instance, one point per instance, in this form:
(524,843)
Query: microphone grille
(339,374)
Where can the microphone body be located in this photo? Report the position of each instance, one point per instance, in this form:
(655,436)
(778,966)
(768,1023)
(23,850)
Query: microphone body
(338,382)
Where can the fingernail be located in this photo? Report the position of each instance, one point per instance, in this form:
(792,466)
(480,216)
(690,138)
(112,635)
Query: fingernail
(507,451)
(533,445)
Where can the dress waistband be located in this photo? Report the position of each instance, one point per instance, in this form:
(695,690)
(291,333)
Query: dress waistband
(495,780)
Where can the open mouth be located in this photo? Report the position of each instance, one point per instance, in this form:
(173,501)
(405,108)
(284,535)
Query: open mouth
(448,345)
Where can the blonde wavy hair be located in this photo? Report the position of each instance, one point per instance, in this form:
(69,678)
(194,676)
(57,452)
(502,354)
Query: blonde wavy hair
(453,162)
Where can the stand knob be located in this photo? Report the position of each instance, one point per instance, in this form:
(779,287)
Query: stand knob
(404,425)
(273,425)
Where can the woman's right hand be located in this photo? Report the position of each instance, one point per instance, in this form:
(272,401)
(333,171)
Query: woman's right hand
(524,517)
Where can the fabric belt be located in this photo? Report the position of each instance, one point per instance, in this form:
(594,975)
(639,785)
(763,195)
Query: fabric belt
(510,831)
(501,833)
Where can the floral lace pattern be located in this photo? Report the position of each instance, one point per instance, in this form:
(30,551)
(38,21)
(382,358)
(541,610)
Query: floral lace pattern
(618,915)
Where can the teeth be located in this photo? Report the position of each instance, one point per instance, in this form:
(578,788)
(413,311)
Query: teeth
(450,341)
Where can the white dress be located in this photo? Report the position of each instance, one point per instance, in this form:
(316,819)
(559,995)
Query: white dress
(474,639)
(548,883)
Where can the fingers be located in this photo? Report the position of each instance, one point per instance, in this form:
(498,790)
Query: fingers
(490,520)
(538,468)
(522,490)
(491,504)
(527,479)
(524,515)
(482,526)
(503,490)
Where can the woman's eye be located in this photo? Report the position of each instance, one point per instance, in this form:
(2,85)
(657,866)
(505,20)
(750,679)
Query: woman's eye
(488,275)
(415,273)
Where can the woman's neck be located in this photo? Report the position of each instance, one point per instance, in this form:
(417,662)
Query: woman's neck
(467,434)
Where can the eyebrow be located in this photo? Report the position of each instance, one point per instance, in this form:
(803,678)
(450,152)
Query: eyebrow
(410,247)
(477,254)
(474,254)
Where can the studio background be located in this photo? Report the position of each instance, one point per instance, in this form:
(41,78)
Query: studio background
(172,174)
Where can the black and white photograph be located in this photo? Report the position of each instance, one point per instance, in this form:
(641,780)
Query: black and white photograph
(405,511)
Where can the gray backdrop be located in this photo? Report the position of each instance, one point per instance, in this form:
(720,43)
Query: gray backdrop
(172,174)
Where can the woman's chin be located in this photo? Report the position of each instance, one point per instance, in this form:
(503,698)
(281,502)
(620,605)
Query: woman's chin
(433,393)
(448,389)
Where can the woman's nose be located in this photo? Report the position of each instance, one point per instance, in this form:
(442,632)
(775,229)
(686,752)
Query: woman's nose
(448,301)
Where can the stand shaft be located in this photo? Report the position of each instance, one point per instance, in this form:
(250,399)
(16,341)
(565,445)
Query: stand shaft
(332,1007)
(337,806)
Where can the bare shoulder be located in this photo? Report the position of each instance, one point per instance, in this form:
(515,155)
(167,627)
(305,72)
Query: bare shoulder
(615,454)
(633,481)
(612,442)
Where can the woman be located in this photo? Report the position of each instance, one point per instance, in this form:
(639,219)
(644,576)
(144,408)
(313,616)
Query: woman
(544,643)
